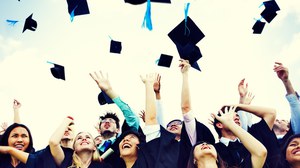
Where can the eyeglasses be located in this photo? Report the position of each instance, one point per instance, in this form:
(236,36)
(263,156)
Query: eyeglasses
(176,122)
(110,120)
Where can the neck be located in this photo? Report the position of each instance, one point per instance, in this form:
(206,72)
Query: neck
(14,161)
(207,163)
(107,135)
(229,135)
(177,137)
(295,165)
(67,143)
(129,161)
(86,158)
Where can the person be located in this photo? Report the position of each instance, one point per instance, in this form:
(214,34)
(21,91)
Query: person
(285,129)
(155,149)
(192,130)
(234,153)
(110,123)
(17,137)
(84,153)
(246,97)
(98,139)
(205,155)
(290,152)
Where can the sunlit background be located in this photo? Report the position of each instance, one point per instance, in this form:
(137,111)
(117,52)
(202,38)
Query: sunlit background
(230,52)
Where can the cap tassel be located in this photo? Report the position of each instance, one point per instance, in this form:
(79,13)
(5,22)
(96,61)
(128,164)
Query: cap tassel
(72,15)
(11,22)
(186,10)
(147,19)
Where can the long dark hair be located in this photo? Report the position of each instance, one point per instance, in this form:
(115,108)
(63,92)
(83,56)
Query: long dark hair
(191,164)
(5,136)
(284,162)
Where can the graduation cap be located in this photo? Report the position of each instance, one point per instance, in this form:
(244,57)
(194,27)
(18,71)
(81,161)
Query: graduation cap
(77,7)
(269,13)
(165,60)
(103,98)
(258,27)
(115,46)
(137,2)
(190,52)
(186,32)
(58,71)
(30,24)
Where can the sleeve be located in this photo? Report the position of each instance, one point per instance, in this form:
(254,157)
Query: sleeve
(130,117)
(295,112)
(190,126)
(159,113)
(151,132)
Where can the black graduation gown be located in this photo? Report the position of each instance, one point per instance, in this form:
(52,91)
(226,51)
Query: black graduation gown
(161,152)
(203,134)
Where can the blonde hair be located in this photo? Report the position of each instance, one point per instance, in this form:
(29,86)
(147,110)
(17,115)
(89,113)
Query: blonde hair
(76,161)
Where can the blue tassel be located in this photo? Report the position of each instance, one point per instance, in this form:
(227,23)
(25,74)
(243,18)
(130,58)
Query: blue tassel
(147,19)
(72,15)
(186,10)
(11,22)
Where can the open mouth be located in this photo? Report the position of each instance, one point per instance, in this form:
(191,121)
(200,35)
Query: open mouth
(19,146)
(126,145)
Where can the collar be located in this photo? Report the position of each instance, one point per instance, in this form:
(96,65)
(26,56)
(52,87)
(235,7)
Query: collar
(101,145)
(226,141)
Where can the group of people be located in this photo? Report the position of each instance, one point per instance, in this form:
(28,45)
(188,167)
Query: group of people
(187,143)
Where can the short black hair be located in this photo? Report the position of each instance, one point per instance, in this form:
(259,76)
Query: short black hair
(111,115)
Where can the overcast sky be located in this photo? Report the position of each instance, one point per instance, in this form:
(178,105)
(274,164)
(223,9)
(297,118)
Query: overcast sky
(230,52)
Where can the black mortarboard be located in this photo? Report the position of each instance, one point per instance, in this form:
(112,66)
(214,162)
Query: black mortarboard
(30,24)
(137,2)
(190,52)
(185,32)
(115,46)
(258,27)
(269,13)
(165,60)
(58,71)
(103,98)
(79,7)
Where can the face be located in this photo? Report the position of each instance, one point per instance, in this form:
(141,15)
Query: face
(84,142)
(204,150)
(19,138)
(69,134)
(293,151)
(128,145)
(282,125)
(108,124)
(98,139)
(175,127)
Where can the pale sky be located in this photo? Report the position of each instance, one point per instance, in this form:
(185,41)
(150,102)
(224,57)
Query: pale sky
(230,52)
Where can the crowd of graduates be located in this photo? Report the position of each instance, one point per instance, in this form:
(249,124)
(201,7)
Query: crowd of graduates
(188,143)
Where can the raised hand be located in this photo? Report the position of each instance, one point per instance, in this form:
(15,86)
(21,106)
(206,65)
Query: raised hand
(226,116)
(184,65)
(101,80)
(156,85)
(16,104)
(142,115)
(281,71)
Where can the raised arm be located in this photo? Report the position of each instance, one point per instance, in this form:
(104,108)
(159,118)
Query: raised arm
(159,107)
(20,155)
(185,90)
(257,149)
(103,83)
(54,142)
(283,74)
(16,106)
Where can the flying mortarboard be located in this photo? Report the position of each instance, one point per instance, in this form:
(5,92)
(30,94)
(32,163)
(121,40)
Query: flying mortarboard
(258,27)
(103,98)
(190,52)
(185,32)
(77,7)
(30,24)
(115,46)
(269,13)
(165,60)
(137,2)
(58,71)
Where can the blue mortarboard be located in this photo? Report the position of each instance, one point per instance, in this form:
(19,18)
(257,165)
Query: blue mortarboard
(58,71)
(30,24)
(165,60)
(103,98)
(115,46)
(258,27)
(137,2)
(77,7)
(269,13)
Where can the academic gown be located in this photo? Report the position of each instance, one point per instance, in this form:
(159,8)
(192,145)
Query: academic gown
(203,134)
